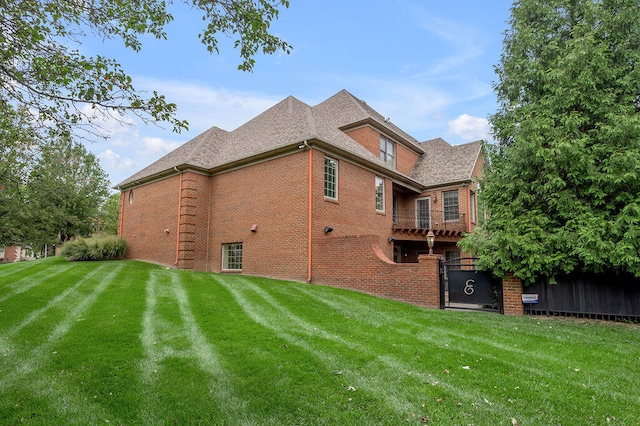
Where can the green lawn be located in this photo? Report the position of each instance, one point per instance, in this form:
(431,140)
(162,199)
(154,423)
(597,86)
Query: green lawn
(133,343)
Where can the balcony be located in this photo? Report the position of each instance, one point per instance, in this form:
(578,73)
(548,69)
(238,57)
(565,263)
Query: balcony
(412,221)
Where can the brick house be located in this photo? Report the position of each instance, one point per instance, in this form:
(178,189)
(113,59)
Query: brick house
(306,193)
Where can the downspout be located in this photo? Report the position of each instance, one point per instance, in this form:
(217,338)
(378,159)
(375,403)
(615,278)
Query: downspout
(468,208)
(310,209)
(179,213)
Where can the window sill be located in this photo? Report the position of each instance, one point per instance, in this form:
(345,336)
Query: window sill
(331,200)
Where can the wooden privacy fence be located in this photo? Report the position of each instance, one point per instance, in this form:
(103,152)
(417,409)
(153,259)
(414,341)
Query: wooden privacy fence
(607,296)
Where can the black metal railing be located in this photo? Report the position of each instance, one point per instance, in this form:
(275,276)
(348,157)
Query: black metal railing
(432,219)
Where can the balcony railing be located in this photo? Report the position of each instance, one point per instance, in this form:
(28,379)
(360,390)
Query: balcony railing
(440,222)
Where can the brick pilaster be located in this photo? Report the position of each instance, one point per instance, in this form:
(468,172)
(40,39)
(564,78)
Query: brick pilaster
(431,277)
(512,295)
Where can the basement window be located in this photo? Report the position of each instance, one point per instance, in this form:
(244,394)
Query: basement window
(232,256)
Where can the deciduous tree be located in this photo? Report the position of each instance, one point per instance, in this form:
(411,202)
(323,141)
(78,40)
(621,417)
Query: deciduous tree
(563,182)
(63,193)
(42,68)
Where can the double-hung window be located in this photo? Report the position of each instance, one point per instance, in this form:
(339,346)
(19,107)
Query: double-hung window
(423,213)
(330,178)
(451,207)
(379,194)
(388,151)
(232,256)
(473,203)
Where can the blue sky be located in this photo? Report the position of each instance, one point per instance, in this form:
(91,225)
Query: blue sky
(427,65)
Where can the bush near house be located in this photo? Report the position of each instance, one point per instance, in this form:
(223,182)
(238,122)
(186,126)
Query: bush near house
(102,247)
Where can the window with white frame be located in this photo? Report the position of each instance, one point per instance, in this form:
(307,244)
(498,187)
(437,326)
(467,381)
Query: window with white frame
(423,213)
(379,194)
(473,204)
(388,151)
(330,178)
(451,206)
(232,256)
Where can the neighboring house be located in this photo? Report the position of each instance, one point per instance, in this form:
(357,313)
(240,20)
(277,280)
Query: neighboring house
(14,253)
(295,190)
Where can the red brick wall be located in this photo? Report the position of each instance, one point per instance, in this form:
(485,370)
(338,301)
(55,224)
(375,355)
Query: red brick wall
(512,295)
(405,160)
(272,195)
(154,209)
(367,137)
(358,263)
(354,212)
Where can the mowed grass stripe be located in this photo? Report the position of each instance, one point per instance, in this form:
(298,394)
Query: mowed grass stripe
(388,370)
(56,301)
(34,358)
(9,270)
(398,358)
(27,281)
(283,326)
(29,370)
(164,289)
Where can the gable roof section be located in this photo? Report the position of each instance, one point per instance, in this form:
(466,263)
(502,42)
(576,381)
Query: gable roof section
(443,163)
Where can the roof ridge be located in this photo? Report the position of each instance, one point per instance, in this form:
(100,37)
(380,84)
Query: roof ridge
(203,137)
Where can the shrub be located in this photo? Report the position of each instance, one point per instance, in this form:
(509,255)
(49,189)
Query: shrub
(101,247)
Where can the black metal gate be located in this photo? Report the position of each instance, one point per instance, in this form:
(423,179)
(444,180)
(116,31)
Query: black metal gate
(463,286)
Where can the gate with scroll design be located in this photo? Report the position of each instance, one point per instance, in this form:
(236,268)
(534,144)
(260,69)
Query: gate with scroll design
(463,286)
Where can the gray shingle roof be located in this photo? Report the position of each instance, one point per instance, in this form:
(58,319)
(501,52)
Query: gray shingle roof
(291,122)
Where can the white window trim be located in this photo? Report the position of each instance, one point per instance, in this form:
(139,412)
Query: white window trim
(383,194)
(473,206)
(417,211)
(386,151)
(444,214)
(327,197)
(225,256)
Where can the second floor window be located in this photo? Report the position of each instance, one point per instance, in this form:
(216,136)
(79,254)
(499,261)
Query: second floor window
(451,207)
(388,151)
(379,194)
(423,213)
(330,178)
(472,205)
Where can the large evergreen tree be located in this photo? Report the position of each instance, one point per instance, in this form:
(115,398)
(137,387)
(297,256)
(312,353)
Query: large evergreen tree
(563,181)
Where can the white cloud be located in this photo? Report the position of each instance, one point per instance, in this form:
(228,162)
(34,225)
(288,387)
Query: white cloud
(111,159)
(153,146)
(204,106)
(470,128)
